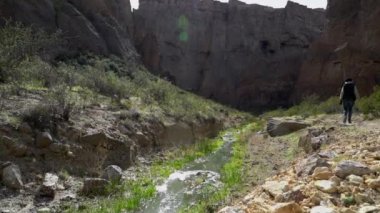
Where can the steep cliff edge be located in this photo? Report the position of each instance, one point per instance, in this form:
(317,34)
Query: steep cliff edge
(100,26)
(244,55)
(350,47)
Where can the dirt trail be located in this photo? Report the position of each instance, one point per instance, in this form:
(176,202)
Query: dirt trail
(341,176)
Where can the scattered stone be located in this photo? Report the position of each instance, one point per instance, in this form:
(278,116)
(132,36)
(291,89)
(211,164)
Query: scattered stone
(43,140)
(322,173)
(326,186)
(277,127)
(287,208)
(276,188)
(11,177)
(347,167)
(354,179)
(113,173)
(322,209)
(49,185)
(95,186)
(369,209)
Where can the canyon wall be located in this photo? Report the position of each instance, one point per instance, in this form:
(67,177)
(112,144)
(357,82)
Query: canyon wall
(243,55)
(349,47)
(100,26)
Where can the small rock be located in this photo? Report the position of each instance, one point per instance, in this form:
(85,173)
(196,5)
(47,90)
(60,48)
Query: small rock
(287,208)
(326,186)
(277,127)
(43,140)
(347,167)
(44,210)
(322,173)
(16,149)
(275,188)
(354,179)
(363,198)
(369,209)
(12,177)
(327,154)
(95,186)
(322,209)
(113,173)
(59,148)
(49,185)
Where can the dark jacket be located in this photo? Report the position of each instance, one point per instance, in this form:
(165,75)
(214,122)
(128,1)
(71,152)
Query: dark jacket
(349,91)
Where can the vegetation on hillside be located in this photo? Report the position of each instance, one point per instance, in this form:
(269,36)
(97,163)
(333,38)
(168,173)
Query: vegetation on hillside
(70,85)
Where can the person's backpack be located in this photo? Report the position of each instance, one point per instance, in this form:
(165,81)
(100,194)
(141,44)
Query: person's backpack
(349,91)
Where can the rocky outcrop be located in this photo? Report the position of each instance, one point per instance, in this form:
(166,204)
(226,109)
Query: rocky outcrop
(240,54)
(349,47)
(101,26)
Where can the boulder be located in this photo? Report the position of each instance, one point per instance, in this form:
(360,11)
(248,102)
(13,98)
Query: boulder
(291,207)
(95,186)
(310,143)
(25,129)
(369,209)
(49,185)
(43,140)
(322,209)
(322,173)
(11,177)
(113,173)
(326,186)
(295,195)
(308,165)
(277,127)
(275,188)
(347,167)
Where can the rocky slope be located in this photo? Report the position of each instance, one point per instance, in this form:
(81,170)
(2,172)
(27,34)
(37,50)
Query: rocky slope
(101,26)
(337,171)
(349,47)
(244,55)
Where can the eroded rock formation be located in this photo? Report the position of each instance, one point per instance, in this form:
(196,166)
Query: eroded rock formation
(100,26)
(350,47)
(244,55)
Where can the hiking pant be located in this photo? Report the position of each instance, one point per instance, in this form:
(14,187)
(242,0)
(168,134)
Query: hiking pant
(347,106)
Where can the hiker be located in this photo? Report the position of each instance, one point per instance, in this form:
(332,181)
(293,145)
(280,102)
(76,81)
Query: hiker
(348,96)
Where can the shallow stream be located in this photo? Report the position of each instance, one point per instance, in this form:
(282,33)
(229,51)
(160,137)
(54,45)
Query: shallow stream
(188,186)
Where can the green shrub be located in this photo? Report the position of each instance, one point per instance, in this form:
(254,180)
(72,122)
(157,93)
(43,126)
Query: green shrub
(19,42)
(370,105)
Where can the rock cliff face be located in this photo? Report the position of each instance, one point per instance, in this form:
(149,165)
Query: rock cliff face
(101,26)
(244,55)
(350,47)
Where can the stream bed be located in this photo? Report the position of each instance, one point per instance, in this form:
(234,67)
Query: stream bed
(187,187)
